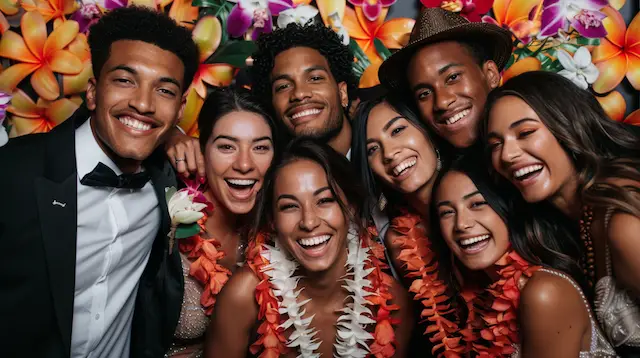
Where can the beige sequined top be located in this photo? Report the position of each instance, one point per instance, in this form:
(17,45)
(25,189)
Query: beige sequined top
(193,322)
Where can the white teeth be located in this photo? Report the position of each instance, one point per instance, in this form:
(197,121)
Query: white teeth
(242,182)
(406,164)
(458,116)
(313,241)
(307,112)
(134,123)
(526,170)
(473,240)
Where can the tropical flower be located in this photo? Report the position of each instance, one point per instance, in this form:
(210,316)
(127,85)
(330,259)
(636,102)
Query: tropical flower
(4,103)
(73,84)
(372,8)
(619,53)
(39,55)
(301,14)
(583,15)
(90,11)
(8,8)
(578,68)
(516,16)
(335,22)
(614,105)
(29,117)
(472,10)
(182,208)
(633,118)
(51,9)
(394,33)
(256,12)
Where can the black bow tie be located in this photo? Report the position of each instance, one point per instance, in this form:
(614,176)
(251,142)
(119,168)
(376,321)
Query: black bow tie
(103,176)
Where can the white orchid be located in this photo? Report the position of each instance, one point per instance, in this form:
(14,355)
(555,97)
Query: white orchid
(301,14)
(579,68)
(5,98)
(182,209)
(336,23)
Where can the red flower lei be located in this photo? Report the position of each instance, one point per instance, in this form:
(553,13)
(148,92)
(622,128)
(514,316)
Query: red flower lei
(492,326)
(272,342)
(421,266)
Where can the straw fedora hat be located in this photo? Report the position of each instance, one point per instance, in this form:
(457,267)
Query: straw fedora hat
(437,25)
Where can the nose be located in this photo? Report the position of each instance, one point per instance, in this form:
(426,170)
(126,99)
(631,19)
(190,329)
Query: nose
(444,98)
(463,221)
(244,163)
(300,92)
(309,220)
(389,153)
(143,100)
(510,151)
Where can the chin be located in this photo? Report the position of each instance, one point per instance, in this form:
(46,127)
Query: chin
(240,208)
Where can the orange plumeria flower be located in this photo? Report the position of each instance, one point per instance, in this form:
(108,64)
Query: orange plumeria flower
(73,84)
(51,9)
(514,15)
(29,117)
(39,55)
(394,33)
(7,8)
(619,53)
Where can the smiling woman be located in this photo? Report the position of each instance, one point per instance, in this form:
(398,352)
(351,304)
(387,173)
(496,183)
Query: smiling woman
(238,142)
(319,278)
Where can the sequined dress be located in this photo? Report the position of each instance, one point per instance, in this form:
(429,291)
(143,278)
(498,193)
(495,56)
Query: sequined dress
(192,325)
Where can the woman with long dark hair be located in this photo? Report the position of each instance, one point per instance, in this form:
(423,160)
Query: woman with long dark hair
(313,283)
(237,138)
(554,143)
(517,306)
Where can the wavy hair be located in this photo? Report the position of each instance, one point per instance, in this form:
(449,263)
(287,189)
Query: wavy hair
(600,148)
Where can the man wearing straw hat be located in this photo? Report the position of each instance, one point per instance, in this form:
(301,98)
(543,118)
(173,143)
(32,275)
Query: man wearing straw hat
(448,68)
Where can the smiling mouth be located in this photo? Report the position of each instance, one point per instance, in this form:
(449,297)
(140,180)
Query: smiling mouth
(306,113)
(458,116)
(134,123)
(404,166)
(527,172)
(474,244)
(314,246)
(241,188)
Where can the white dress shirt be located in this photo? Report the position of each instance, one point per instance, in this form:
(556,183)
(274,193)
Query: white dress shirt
(116,229)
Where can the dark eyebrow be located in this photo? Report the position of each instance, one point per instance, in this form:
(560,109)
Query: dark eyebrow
(513,125)
(442,70)
(386,127)
(471,195)
(321,190)
(443,203)
(262,138)
(286,196)
(307,70)
(233,139)
(134,72)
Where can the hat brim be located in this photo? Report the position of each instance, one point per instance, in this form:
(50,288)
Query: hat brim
(496,40)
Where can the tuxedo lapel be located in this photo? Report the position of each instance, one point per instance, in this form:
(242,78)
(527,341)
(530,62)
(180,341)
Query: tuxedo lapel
(56,194)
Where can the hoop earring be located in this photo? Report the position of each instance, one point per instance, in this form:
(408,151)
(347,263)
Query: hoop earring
(438,161)
(382,202)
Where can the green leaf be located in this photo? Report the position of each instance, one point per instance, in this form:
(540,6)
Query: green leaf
(185,231)
(585,41)
(571,48)
(234,53)
(169,192)
(553,66)
(359,54)
(381,48)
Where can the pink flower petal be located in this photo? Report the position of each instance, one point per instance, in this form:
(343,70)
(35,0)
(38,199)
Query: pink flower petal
(371,11)
(239,21)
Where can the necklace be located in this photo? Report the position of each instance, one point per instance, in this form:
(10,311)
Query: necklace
(588,258)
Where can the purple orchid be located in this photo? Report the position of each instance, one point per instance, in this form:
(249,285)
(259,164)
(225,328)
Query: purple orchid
(256,12)
(90,11)
(372,8)
(5,98)
(583,15)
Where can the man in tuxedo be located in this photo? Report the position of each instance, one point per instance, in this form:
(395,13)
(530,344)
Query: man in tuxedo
(85,269)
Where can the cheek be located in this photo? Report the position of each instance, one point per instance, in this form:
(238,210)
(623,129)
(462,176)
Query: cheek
(285,224)
(217,163)
(376,166)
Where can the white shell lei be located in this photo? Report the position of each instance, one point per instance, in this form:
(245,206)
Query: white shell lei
(352,336)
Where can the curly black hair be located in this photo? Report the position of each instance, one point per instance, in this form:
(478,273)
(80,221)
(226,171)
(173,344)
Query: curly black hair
(142,24)
(316,36)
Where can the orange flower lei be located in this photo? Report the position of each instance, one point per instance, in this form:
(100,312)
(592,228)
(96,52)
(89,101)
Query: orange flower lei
(272,342)
(421,266)
(492,327)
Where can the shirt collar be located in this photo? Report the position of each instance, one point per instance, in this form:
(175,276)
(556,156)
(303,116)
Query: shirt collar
(89,153)
(349,155)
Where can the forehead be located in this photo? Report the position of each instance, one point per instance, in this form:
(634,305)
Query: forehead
(430,59)
(145,58)
(454,186)
(298,59)
(379,116)
(300,177)
(508,110)
(242,124)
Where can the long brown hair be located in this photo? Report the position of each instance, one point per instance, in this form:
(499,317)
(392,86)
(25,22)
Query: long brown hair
(600,149)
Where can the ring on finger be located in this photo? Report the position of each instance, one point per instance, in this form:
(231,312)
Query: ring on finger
(180,160)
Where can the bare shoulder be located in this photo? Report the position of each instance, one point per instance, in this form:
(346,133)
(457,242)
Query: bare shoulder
(240,290)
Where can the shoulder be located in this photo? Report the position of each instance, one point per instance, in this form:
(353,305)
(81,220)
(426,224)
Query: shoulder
(240,290)
(548,298)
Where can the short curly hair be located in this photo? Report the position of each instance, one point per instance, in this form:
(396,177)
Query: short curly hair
(147,25)
(316,36)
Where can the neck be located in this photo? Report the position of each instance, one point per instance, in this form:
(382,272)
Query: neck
(420,200)
(126,165)
(221,221)
(325,286)
(567,199)
(342,142)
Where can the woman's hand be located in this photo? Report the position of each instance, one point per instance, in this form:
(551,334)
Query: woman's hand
(184,153)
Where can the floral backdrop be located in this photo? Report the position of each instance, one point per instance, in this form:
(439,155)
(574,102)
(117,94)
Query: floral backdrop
(45,61)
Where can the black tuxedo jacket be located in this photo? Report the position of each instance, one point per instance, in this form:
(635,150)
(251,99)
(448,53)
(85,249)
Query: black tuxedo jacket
(38,251)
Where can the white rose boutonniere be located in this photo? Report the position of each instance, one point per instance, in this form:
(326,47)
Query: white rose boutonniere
(184,212)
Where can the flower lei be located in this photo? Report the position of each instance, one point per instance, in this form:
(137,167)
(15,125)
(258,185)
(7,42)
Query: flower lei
(203,251)
(276,294)
(492,326)
(421,266)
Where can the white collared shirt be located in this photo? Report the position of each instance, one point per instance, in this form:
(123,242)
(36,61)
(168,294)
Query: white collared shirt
(116,229)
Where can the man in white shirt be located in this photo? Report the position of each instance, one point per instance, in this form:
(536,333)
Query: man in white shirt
(85,269)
